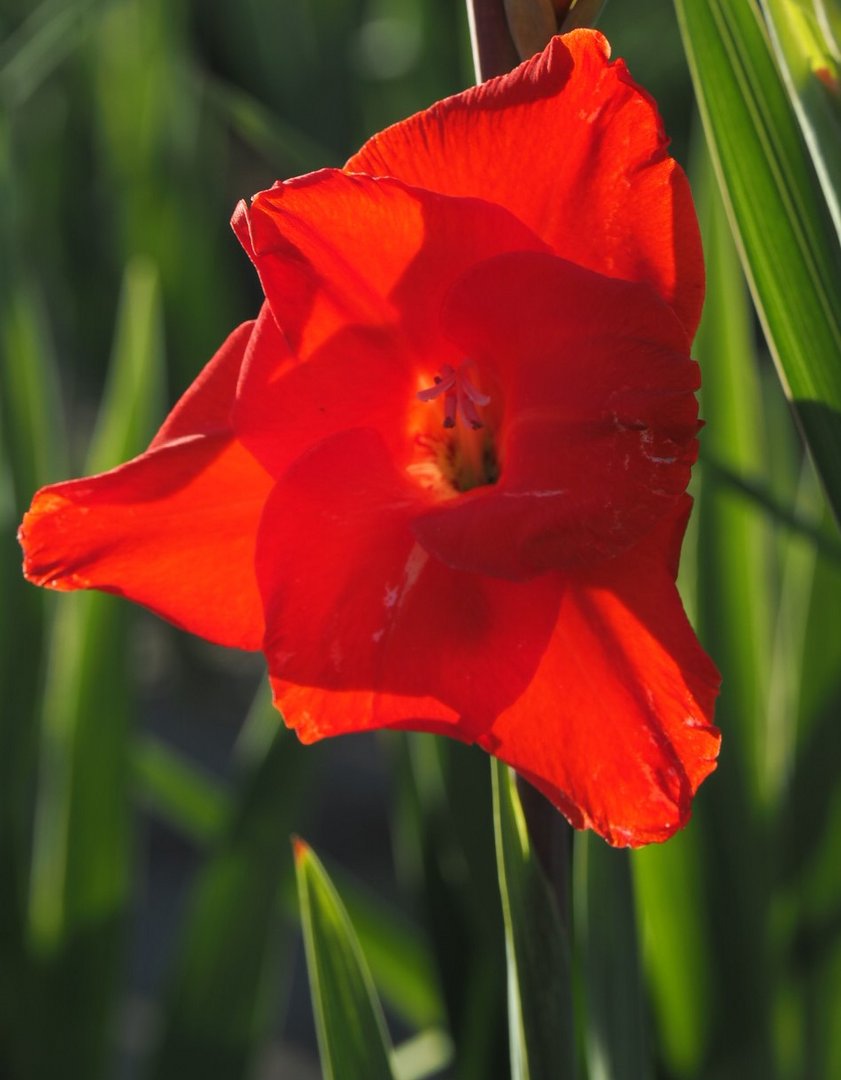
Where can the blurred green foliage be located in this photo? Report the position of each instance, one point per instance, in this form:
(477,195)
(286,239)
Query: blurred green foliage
(128,131)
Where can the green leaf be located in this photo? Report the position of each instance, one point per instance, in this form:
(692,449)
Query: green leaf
(30,438)
(82,848)
(396,953)
(444,846)
(223,991)
(822,536)
(606,940)
(812,75)
(352,1036)
(734,607)
(178,792)
(279,143)
(134,393)
(737,590)
(788,245)
(540,1012)
(828,15)
(424,1055)
(39,45)
(677,947)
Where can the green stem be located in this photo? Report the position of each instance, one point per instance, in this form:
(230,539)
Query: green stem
(493,47)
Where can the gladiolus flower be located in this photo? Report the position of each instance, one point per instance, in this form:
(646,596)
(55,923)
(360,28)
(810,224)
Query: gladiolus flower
(441,479)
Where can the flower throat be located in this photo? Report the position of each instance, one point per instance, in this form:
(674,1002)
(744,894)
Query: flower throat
(456,452)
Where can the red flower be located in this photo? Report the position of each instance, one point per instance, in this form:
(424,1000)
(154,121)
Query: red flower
(440,481)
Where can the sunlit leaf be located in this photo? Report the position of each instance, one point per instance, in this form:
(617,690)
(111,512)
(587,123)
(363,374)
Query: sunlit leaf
(677,947)
(352,1036)
(396,953)
(734,538)
(813,78)
(540,1014)
(789,248)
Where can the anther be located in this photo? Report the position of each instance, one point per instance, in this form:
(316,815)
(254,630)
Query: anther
(460,396)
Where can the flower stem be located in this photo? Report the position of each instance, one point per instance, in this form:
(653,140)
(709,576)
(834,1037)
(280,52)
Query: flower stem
(493,47)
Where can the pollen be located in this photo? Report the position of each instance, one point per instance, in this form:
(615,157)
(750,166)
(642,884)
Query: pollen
(461,397)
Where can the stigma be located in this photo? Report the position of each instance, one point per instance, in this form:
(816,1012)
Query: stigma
(461,397)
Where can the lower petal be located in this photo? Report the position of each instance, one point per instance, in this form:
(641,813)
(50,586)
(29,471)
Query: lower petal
(616,726)
(315,713)
(355,607)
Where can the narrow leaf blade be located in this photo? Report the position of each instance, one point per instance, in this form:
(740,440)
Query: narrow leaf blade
(787,243)
(352,1036)
(540,1011)
(812,79)
(82,850)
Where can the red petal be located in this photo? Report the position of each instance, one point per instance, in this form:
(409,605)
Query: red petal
(576,150)
(615,728)
(315,713)
(174,530)
(354,604)
(599,416)
(334,250)
(361,377)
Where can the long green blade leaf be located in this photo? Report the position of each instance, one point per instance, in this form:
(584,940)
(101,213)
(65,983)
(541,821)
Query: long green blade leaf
(352,1036)
(812,78)
(445,849)
(396,953)
(540,1014)
(677,947)
(788,246)
(82,841)
(733,535)
(29,434)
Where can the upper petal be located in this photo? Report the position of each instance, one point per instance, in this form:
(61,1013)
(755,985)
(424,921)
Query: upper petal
(334,250)
(576,150)
(616,725)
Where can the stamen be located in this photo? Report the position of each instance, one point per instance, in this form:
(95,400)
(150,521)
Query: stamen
(460,396)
